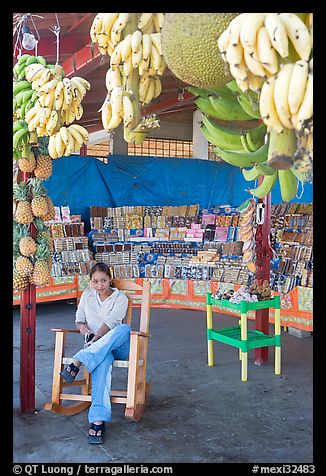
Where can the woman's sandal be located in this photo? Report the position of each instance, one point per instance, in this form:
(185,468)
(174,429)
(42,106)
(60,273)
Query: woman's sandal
(96,439)
(69,373)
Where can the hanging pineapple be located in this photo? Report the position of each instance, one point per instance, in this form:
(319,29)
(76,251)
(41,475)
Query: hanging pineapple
(24,266)
(23,213)
(51,210)
(42,269)
(43,167)
(27,161)
(19,282)
(39,203)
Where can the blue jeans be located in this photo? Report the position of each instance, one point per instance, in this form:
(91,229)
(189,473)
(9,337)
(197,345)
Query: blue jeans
(98,359)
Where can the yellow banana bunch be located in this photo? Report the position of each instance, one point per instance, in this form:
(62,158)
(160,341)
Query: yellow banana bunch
(133,42)
(286,99)
(254,44)
(67,140)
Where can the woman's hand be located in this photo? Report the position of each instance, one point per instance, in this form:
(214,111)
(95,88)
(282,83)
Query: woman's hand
(83,328)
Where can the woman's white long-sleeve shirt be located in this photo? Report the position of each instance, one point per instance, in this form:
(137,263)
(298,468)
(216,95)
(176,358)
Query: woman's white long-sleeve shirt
(111,311)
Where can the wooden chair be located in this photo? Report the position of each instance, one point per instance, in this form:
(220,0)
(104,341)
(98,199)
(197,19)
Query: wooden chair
(135,397)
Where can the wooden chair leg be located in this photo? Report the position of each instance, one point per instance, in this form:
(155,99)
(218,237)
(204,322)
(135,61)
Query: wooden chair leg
(132,376)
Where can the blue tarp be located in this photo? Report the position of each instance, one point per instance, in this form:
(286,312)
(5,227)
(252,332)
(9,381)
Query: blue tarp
(83,181)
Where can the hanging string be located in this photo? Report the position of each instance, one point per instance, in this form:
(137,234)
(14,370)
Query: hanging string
(19,27)
(56,31)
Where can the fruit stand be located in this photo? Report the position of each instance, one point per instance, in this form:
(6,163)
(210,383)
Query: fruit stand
(253,88)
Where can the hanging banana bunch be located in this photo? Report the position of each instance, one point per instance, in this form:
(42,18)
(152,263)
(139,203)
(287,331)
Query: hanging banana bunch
(271,54)
(133,42)
(46,101)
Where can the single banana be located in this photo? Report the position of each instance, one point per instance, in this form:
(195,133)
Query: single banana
(242,158)
(64,135)
(288,184)
(298,34)
(106,113)
(116,100)
(281,91)
(49,99)
(116,56)
(147,45)
(265,187)
(250,174)
(158,19)
(108,82)
(157,87)
(277,34)
(265,51)
(126,47)
(143,67)
(297,85)
(143,86)
(234,28)
(223,43)
(136,40)
(67,90)
(128,111)
(114,122)
(136,57)
(144,20)
(239,71)
(45,115)
(59,144)
(156,58)
(157,42)
(267,106)
(150,92)
(116,79)
(59,102)
(79,112)
(83,81)
(51,147)
(58,89)
(122,21)
(76,84)
(305,111)
(249,29)
(255,82)
(127,67)
(115,34)
(234,54)
(45,77)
(253,62)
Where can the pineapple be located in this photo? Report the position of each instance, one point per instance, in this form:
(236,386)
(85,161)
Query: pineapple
(27,162)
(42,272)
(27,246)
(23,243)
(24,266)
(19,282)
(43,167)
(23,212)
(39,202)
(51,210)
(43,231)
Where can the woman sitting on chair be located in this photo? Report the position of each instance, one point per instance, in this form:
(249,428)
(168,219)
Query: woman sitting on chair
(101,311)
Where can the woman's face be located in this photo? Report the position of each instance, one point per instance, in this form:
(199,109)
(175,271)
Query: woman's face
(101,282)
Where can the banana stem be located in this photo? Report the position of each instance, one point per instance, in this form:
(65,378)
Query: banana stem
(282,148)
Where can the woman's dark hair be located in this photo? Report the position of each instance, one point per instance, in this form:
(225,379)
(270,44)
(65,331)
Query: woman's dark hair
(100,267)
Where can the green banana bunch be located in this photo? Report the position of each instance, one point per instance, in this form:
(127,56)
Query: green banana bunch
(25,60)
(24,98)
(20,134)
(243,159)
(248,100)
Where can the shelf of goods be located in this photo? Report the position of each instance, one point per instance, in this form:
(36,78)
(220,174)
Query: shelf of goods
(183,251)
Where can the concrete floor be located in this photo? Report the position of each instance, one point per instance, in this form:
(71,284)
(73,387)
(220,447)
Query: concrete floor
(195,413)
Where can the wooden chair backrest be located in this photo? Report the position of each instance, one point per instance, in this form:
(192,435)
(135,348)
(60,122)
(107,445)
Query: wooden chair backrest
(142,292)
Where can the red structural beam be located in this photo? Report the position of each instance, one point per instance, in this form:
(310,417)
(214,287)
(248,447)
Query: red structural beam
(264,253)
(27,340)
(84,61)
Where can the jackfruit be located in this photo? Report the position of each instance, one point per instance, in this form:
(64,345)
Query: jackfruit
(189,42)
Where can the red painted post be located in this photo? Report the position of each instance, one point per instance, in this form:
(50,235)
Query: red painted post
(264,254)
(27,340)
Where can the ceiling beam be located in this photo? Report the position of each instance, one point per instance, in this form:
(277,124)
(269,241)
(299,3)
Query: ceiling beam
(84,61)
